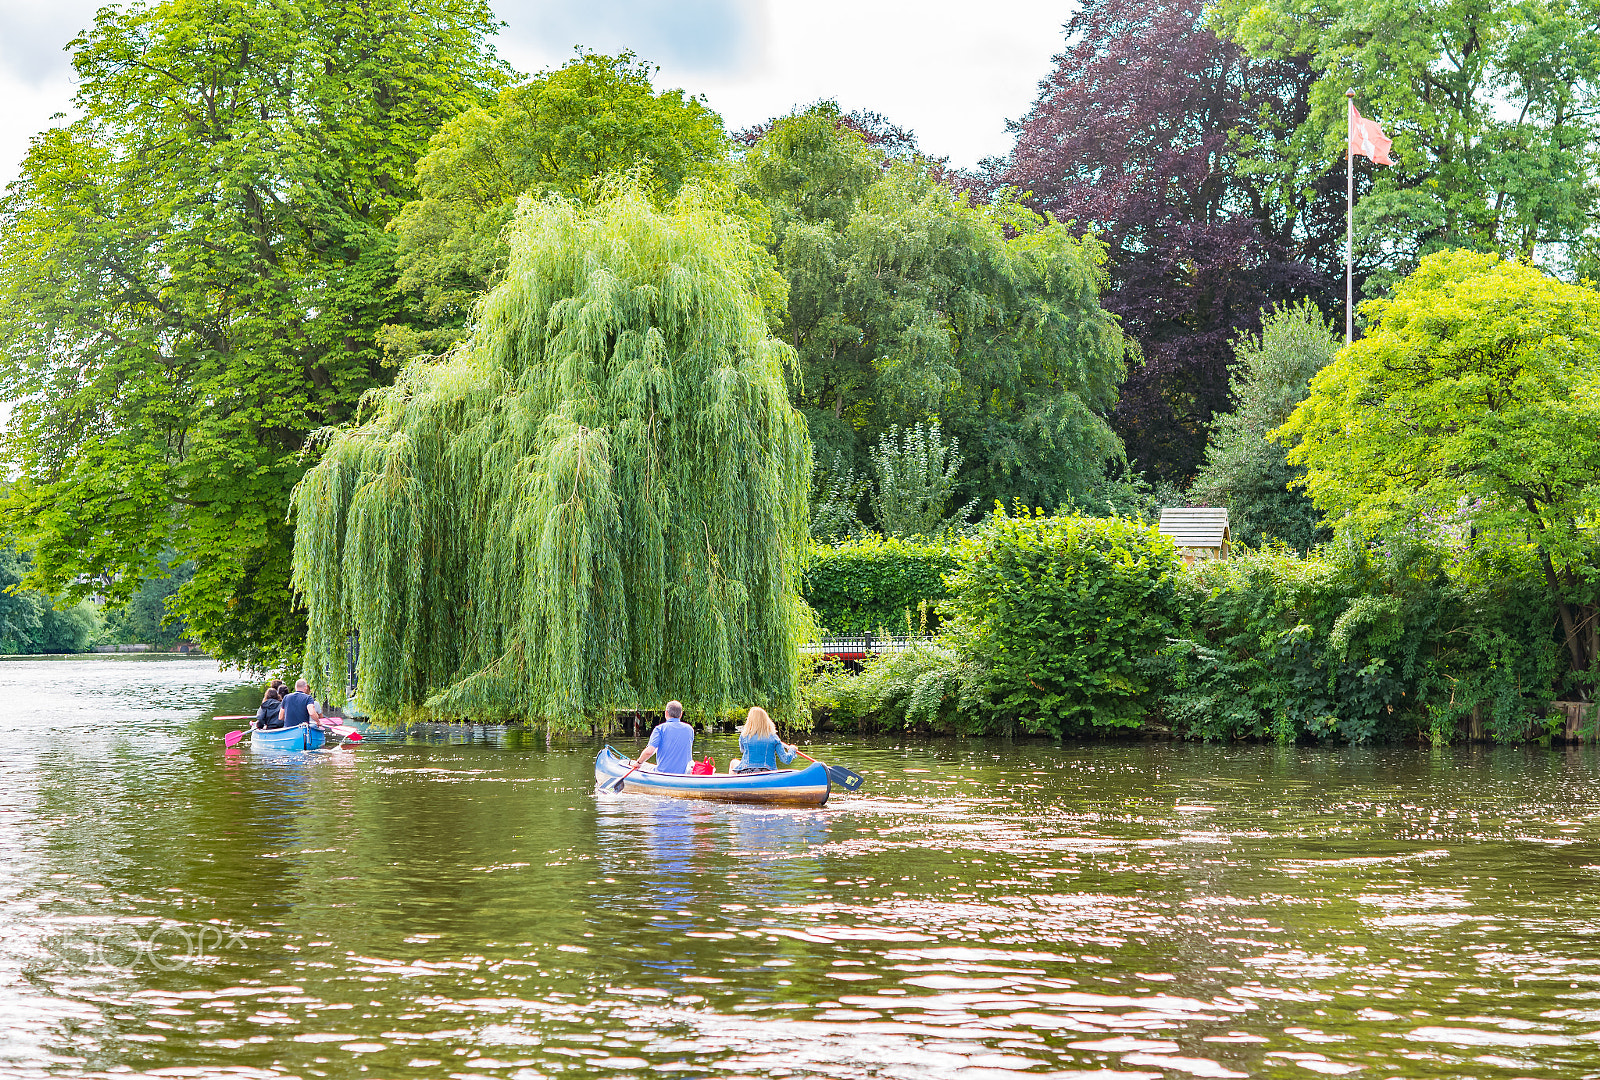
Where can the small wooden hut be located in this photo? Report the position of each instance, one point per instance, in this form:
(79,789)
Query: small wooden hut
(1200,532)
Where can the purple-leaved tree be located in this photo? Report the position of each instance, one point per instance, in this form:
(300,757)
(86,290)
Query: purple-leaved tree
(1163,138)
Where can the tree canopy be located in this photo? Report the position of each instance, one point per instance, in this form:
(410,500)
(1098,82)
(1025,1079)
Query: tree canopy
(1490,104)
(1166,141)
(1467,412)
(597,501)
(909,302)
(192,279)
(1245,470)
(556,133)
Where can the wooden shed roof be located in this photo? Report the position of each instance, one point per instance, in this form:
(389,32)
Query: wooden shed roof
(1196,526)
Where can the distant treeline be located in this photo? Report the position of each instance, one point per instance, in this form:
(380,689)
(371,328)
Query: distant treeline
(32,622)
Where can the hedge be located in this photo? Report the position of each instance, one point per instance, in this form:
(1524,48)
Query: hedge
(1070,625)
(878,585)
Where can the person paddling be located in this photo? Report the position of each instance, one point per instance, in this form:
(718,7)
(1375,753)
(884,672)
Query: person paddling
(760,749)
(300,707)
(673,741)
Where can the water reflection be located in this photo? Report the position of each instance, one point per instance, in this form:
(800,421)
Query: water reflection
(465,906)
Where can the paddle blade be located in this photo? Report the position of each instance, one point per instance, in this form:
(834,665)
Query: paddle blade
(232,738)
(850,781)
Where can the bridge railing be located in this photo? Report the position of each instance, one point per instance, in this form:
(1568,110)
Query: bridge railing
(858,646)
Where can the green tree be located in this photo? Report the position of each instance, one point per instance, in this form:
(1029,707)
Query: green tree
(31,622)
(69,629)
(915,475)
(906,302)
(597,501)
(559,132)
(1246,471)
(1491,107)
(836,496)
(148,616)
(1467,416)
(192,275)
(21,610)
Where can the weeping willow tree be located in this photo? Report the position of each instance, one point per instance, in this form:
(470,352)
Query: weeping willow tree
(597,501)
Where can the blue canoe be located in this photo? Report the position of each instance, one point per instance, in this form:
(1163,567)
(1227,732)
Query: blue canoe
(783,787)
(299,737)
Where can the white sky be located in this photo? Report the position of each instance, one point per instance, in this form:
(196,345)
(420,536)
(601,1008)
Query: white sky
(952,73)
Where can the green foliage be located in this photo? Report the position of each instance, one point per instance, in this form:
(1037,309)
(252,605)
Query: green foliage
(1489,105)
(879,585)
(1065,614)
(31,622)
(21,609)
(907,302)
(192,276)
(1357,644)
(1246,471)
(1467,415)
(915,472)
(930,687)
(1069,624)
(555,134)
(149,616)
(72,628)
(598,501)
(836,496)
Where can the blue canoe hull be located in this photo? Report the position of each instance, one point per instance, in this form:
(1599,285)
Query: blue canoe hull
(301,737)
(785,787)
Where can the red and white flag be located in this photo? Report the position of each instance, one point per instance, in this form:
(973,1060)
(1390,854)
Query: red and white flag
(1368,139)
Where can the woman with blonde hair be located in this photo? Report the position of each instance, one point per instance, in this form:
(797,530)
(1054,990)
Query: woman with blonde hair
(760,749)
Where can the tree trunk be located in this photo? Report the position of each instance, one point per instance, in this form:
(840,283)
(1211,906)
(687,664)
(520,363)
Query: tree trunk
(1571,627)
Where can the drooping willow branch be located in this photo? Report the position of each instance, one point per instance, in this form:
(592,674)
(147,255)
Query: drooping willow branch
(597,501)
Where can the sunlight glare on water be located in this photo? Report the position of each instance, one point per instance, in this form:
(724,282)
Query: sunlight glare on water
(461,903)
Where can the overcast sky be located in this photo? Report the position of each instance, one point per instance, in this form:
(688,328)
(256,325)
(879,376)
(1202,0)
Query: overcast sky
(953,73)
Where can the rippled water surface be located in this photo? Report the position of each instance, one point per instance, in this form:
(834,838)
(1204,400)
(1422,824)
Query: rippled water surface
(465,906)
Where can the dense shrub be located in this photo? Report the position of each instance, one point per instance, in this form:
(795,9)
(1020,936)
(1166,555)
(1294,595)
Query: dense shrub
(1065,614)
(1359,643)
(875,584)
(1065,625)
(931,687)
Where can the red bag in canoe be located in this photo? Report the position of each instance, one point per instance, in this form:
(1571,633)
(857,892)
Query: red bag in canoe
(703,768)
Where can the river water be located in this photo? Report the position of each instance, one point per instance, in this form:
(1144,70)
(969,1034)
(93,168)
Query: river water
(457,906)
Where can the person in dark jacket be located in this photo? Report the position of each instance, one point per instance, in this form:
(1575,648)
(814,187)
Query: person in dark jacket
(270,715)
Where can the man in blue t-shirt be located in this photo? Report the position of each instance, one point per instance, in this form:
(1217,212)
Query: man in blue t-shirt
(673,741)
(300,707)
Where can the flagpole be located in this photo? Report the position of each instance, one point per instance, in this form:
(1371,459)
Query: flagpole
(1349,215)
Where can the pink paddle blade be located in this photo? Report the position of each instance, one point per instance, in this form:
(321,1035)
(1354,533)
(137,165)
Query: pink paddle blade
(232,738)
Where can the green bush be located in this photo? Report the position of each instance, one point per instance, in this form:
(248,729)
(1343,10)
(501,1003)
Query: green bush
(877,584)
(930,687)
(1066,616)
(1359,643)
(1064,625)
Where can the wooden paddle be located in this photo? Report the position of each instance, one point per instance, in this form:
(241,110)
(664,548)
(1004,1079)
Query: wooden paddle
(850,781)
